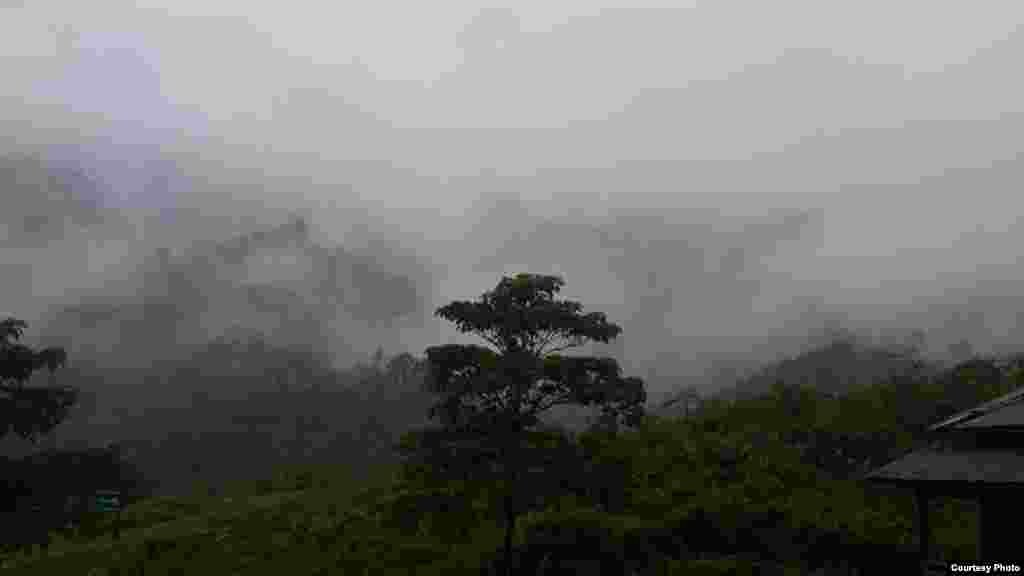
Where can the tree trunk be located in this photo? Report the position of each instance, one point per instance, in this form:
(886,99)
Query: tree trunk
(510,524)
(511,502)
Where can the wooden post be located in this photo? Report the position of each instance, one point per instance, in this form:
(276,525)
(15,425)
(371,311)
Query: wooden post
(997,512)
(981,527)
(921,500)
(993,540)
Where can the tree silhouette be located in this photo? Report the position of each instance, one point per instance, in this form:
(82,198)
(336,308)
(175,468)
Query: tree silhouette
(688,397)
(403,368)
(491,398)
(29,412)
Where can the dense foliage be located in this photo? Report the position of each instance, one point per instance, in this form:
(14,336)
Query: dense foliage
(29,411)
(491,397)
(766,482)
(750,486)
(265,404)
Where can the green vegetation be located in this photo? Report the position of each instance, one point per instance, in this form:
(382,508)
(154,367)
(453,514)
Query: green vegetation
(29,412)
(762,484)
(721,493)
(491,398)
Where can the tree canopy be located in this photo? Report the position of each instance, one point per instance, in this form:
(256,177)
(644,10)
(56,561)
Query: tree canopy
(29,412)
(490,398)
(523,375)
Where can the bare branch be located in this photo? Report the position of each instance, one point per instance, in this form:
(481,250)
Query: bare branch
(563,400)
(567,344)
(549,336)
(493,341)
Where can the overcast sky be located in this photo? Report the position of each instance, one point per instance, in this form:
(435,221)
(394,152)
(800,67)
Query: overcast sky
(862,157)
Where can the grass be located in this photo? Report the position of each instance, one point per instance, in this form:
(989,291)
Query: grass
(293,525)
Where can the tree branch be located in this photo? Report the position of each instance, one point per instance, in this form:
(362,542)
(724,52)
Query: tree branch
(493,340)
(575,343)
(562,400)
(549,336)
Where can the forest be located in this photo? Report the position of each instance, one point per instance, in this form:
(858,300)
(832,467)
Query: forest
(345,474)
(281,289)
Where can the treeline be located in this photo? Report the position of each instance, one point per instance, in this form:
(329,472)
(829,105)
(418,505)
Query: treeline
(266,407)
(764,482)
(753,486)
(766,485)
(869,425)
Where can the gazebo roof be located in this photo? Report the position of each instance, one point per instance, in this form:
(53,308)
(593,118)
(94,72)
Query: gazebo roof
(966,467)
(1004,412)
(954,467)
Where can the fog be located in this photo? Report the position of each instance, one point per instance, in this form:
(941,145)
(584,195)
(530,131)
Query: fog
(727,180)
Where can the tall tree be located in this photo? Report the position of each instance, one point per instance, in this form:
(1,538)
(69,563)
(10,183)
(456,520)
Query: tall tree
(29,412)
(491,397)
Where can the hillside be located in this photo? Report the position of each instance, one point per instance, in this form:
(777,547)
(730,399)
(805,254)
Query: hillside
(41,202)
(275,282)
(246,339)
(244,527)
(767,485)
(267,406)
(836,368)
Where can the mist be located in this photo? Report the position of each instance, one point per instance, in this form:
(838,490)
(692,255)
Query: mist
(727,180)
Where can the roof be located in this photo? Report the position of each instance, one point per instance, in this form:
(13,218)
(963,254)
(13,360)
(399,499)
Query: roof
(964,467)
(967,467)
(1004,412)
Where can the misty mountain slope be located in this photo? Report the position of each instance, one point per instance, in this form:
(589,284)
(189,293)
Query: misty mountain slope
(164,353)
(272,281)
(689,286)
(833,368)
(41,209)
(247,396)
(40,201)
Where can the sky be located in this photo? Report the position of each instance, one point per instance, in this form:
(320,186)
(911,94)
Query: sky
(777,166)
